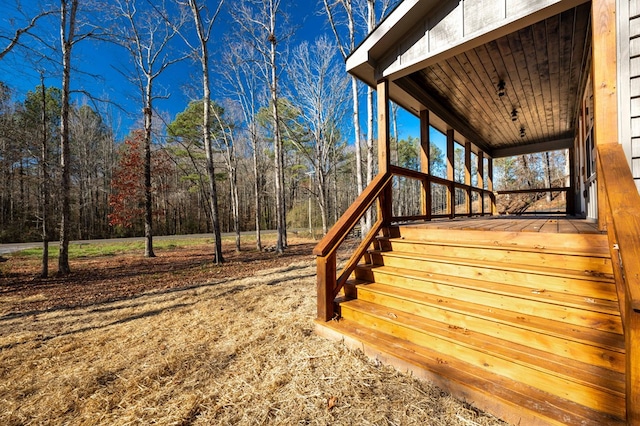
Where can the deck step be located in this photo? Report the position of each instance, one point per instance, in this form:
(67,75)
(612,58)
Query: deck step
(598,348)
(597,389)
(535,313)
(594,261)
(575,309)
(594,285)
(511,400)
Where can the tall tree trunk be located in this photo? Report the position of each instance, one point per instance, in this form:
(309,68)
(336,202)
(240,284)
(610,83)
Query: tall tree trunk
(44,273)
(281,213)
(256,186)
(148,202)
(206,131)
(67,33)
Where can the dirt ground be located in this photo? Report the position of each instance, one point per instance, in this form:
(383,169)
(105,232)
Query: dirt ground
(177,340)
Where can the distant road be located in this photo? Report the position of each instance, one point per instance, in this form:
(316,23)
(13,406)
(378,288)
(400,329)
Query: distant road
(13,247)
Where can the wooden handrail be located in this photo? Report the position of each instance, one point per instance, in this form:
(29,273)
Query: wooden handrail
(329,282)
(623,229)
(350,218)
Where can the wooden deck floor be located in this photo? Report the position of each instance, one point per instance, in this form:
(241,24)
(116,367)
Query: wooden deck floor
(544,224)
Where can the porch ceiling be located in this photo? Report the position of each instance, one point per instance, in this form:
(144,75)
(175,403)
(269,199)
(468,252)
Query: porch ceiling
(543,66)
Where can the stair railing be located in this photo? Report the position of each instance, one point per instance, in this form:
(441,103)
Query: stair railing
(329,282)
(622,200)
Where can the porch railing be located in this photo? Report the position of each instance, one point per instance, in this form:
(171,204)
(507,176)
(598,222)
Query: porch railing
(379,190)
(622,202)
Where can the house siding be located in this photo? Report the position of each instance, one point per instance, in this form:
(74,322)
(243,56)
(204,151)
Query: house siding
(629,52)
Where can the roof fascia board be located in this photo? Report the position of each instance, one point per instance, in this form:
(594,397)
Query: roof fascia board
(533,148)
(384,54)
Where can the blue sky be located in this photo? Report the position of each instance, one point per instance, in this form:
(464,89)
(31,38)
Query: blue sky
(101,65)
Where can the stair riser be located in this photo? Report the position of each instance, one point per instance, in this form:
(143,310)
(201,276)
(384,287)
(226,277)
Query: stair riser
(589,397)
(551,309)
(516,333)
(594,288)
(564,261)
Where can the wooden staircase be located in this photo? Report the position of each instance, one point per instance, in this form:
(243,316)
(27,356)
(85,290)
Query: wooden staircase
(524,325)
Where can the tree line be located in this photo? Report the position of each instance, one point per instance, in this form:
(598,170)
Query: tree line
(267,148)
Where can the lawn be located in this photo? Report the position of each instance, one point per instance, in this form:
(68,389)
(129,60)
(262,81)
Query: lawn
(175,340)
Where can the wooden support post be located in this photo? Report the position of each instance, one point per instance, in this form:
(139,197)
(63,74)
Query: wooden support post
(384,160)
(490,185)
(425,156)
(385,208)
(326,281)
(604,73)
(570,198)
(481,179)
(632,339)
(467,174)
(451,172)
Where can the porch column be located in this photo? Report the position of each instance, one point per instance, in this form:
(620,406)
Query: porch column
(467,174)
(384,158)
(480,169)
(450,173)
(490,185)
(425,156)
(604,72)
(571,194)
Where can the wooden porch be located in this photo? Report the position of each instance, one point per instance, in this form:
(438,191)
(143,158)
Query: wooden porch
(542,224)
(535,319)
(519,316)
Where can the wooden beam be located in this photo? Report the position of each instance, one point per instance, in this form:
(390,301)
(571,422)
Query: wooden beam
(451,199)
(604,79)
(425,157)
(604,71)
(533,148)
(384,150)
(467,173)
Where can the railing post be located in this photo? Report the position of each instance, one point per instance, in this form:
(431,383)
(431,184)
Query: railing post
(326,269)
(632,338)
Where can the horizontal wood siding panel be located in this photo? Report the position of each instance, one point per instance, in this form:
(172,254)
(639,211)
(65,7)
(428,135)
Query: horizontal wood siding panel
(446,27)
(482,13)
(635,107)
(635,147)
(635,86)
(636,168)
(634,27)
(634,47)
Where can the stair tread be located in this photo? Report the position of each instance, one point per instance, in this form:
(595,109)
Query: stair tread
(577,333)
(512,267)
(511,238)
(597,251)
(547,296)
(595,386)
(457,376)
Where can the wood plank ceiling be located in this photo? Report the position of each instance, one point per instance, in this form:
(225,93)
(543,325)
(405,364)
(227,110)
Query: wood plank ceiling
(542,66)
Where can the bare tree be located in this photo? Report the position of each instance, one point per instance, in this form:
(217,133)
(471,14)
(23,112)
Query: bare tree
(148,38)
(240,71)
(258,22)
(321,95)
(353,13)
(68,15)
(203,26)
(13,40)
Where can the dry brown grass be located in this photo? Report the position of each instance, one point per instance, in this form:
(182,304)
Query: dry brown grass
(223,351)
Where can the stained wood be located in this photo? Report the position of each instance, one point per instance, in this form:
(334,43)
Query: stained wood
(596,351)
(511,400)
(480,352)
(566,260)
